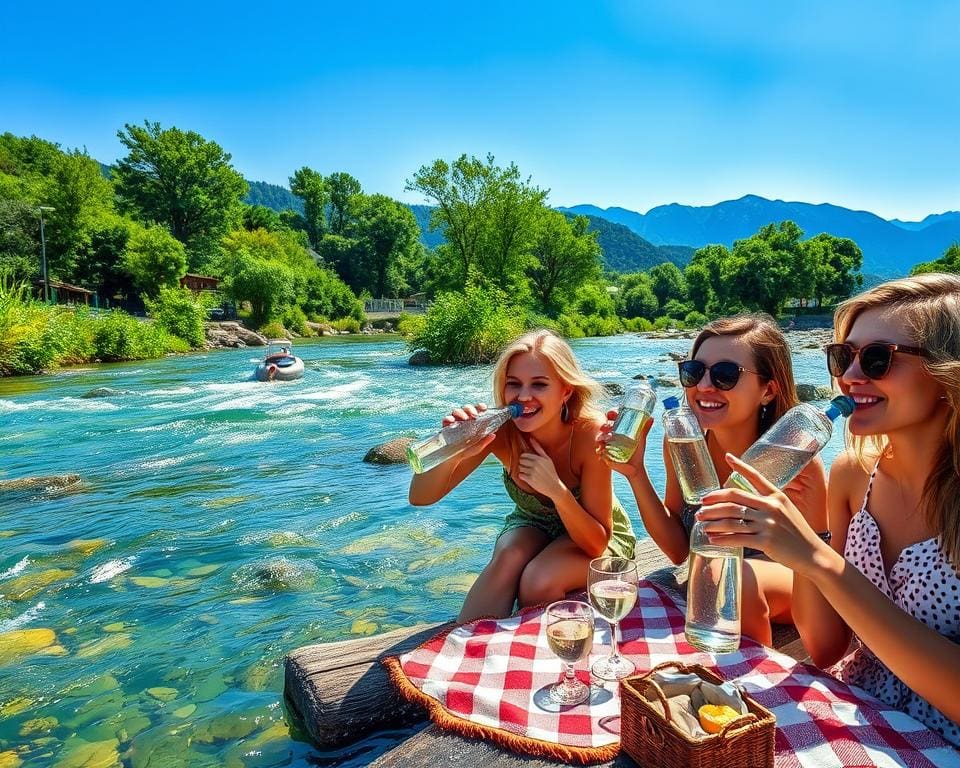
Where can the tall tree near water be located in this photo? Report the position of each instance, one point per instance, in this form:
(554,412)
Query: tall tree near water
(182,181)
(388,232)
(343,191)
(836,262)
(310,187)
(488,216)
(566,256)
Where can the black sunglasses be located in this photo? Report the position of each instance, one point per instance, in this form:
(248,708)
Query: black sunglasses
(875,357)
(724,374)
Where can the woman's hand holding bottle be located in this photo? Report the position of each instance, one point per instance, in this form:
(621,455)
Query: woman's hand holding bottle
(770,523)
(634,465)
(468,413)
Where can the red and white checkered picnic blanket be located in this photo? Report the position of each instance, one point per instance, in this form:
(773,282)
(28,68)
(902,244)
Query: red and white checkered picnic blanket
(486,678)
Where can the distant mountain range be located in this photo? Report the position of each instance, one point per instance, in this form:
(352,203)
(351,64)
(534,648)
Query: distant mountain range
(889,247)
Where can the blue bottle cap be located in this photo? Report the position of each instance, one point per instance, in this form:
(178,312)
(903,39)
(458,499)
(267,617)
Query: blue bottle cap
(671,402)
(515,410)
(840,406)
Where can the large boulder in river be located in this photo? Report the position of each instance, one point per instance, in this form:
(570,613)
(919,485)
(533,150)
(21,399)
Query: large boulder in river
(232,334)
(102,392)
(420,357)
(808,392)
(612,389)
(390,452)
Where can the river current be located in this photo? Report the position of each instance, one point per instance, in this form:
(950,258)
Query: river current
(219,523)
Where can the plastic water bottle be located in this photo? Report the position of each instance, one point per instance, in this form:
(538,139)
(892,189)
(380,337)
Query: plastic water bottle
(787,447)
(714,573)
(425,454)
(688,451)
(634,413)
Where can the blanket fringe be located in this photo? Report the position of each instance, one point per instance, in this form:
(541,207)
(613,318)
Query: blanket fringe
(507,739)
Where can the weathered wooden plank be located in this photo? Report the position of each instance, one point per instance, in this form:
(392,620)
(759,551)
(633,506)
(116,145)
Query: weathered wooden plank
(340,692)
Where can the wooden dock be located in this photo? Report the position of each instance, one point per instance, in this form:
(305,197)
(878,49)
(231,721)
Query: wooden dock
(339,693)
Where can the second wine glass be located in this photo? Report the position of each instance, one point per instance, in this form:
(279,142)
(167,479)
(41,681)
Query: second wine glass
(612,585)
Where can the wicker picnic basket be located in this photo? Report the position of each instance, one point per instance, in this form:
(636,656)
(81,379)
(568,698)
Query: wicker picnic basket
(653,741)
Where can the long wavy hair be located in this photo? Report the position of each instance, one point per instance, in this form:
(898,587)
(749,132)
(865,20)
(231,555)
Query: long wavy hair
(582,403)
(929,308)
(771,359)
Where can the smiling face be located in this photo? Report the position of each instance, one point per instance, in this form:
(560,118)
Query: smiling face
(905,397)
(532,382)
(735,408)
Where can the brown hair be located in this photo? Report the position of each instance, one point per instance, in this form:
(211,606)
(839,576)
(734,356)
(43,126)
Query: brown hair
(771,358)
(582,403)
(929,308)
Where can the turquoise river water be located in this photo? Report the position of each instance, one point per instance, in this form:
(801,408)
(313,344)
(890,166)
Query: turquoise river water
(220,523)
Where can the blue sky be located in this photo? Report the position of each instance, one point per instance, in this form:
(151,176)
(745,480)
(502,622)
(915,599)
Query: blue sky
(633,104)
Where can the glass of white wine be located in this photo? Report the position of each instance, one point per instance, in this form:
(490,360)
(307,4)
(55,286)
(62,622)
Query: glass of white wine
(570,636)
(612,585)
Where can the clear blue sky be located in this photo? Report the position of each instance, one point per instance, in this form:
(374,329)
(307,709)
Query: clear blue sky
(631,104)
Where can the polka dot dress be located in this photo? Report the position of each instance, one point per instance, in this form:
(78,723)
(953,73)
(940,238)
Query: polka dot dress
(923,583)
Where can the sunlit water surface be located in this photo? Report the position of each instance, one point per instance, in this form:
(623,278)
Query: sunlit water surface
(220,523)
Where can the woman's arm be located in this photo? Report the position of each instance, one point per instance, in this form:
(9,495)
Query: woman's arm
(825,635)
(662,520)
(589,521)
(430,487)
(926,661)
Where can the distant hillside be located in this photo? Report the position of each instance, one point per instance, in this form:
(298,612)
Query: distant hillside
(272,196)
(422,214)
(933,218)
(625,251)
(889,249)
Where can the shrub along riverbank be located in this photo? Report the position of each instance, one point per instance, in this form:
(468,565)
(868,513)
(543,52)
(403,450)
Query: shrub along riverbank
(35,335)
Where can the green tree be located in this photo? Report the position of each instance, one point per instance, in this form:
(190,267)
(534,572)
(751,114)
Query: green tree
(836,262)
(154,259)
(667,282)
(699,286)
(488,217)
(261,217)
(19,240)
(758,276)
(785,240)
(565,255)
(310,187)
(949,262)
(636,297)
(181,180)
(343,189)
(709,268)
(387,231)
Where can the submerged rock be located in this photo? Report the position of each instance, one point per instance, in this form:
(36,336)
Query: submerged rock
(420,357)
(103,392)
(23,642)
(391,452)
(39,483)
(612,388)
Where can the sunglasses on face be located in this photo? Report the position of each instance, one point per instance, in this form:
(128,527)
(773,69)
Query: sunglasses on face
(724,374)
(875,357)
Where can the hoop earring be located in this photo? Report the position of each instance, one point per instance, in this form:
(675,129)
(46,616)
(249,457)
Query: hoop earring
(564,412)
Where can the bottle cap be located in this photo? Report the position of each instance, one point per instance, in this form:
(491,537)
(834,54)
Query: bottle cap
(840,406)
(515,410)
(671,402)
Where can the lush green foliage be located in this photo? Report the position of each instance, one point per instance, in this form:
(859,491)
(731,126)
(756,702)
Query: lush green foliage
(410,325)
(154,259)
(181,312)
(949,262)
(348,324)
(272,196)
(468,327)
(183,181)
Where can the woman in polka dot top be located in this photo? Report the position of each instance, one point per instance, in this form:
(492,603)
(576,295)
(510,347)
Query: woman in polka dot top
(889,586)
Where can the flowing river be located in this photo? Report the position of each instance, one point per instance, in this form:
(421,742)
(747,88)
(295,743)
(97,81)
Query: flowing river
(219,523)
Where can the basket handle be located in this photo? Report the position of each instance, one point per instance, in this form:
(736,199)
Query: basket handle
(737,724)
(649,682)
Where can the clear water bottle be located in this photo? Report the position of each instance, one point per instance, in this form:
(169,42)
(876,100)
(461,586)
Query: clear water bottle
(425,454)
(713,572)
(634,413)
(788,446)
(688,451)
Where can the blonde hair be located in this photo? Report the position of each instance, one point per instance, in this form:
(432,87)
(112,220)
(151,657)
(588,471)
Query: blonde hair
(929,308)
(582,403)
(771,359)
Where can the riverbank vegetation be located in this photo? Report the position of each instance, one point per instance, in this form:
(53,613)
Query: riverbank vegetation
(501,259)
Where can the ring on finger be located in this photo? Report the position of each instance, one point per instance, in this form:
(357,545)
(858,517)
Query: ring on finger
(742,520)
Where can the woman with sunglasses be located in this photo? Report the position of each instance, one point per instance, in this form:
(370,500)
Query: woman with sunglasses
(738,381)
(891,580)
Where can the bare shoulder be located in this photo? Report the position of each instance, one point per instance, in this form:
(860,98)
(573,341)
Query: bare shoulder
(585,433)
(847,471)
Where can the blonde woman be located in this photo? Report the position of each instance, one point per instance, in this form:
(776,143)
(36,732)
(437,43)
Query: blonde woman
(891,580)
(564,513)
(738,381)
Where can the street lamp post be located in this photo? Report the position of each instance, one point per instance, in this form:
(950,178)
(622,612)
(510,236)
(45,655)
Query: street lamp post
(43,254)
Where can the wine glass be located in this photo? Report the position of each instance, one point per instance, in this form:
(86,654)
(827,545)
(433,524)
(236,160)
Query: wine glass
(570,636)
(612,584)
